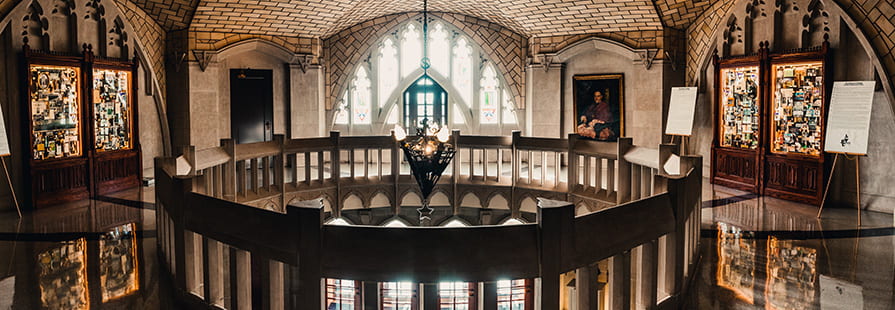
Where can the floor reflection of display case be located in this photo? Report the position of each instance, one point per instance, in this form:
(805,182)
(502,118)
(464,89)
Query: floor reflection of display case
(118,262)
(738,143)
(58,162)
(62,276)
(792,276)
(82,135)
(115,151)
(736,261)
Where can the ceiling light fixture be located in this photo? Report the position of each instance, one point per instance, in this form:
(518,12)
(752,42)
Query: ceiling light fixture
(429,153)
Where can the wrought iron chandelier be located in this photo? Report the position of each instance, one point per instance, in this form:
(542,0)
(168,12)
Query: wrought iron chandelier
(429,153)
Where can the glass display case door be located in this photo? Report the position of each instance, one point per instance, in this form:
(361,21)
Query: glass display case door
(739,124)
(114,148)
(54,133)
(794,164)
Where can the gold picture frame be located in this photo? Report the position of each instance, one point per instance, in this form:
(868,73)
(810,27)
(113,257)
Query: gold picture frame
(599,106)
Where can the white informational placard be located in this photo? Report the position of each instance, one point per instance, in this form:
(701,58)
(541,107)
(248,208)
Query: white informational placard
(848,124)
(4,141)
(839,294)
(681,110)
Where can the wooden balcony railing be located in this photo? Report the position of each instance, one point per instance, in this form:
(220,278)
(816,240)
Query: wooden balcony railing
(234,215)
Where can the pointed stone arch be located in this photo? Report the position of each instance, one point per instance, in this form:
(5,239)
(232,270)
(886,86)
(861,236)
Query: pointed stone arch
(470,200)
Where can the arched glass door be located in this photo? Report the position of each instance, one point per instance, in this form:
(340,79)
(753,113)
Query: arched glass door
(425,99)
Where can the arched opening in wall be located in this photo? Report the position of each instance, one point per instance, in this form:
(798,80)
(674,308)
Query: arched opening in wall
(352,203)
(498,202)
(338,221)
(439,199)
(396,222)
(411,199)
(476,98)
(529,205)
(471,200)
(380,201)
(455,222)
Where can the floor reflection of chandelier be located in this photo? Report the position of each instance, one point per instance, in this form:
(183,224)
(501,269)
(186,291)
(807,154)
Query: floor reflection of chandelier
(429,153)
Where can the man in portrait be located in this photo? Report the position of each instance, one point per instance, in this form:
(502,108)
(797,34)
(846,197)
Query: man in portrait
(598,121)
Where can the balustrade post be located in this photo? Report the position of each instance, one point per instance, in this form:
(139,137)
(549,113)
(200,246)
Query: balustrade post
(516,166)
(684,194)
(306,283)
(279,164)
(514,174)
(455,170)
(336,174)
(620,281)
(396,171)
(649,270)
(572,173)
(555,220)
(623,194)
(229,191)
(586,285)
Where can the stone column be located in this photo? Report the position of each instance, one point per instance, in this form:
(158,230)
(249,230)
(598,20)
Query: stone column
(308,113)
(555,223)
(306,283)
(544,106)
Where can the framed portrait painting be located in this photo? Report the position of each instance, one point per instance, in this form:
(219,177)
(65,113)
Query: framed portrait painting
(599,102)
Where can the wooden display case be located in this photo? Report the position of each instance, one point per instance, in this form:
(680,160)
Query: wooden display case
(55,130)
(739,125)
(82,126)
(799,92)
(772,146)
(115,152)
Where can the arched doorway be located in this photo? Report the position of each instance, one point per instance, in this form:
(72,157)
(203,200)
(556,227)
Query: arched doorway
(425,99)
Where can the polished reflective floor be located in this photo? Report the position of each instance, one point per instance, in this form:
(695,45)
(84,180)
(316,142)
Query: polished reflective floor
(766,253)
(758,253)
(93,254)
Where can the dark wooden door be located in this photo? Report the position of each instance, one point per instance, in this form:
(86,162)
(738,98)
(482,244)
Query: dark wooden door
(251,105)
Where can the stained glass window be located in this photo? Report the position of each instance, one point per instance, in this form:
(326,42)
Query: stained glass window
(477,95)
(461,73)
(360,97)
(509,110)
(440,50)
(411,50)
(388,70)
(341,117)
(488,101)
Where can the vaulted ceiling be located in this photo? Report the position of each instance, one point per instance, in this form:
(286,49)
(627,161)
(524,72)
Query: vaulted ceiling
(321,18)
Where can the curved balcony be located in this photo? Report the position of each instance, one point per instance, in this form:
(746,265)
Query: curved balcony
(242,226)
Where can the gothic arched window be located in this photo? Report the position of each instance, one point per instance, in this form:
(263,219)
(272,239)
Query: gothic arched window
(465,89)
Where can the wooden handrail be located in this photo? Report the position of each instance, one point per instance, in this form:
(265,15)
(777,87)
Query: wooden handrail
(256,150)
(558,243)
